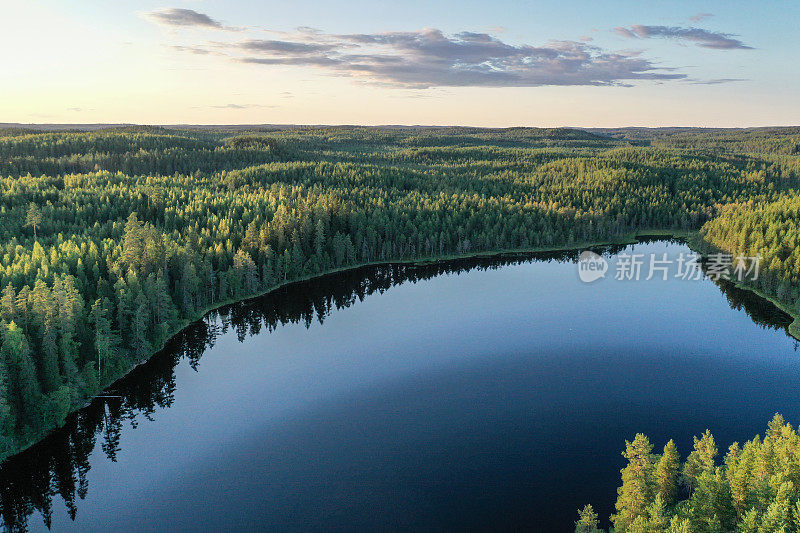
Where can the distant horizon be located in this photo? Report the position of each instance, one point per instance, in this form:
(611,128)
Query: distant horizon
(100,125)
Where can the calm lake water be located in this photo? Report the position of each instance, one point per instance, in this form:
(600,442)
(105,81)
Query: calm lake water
(478,394)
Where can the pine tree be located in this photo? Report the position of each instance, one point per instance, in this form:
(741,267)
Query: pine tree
(44,310)
(739,471)
(106,340)
(667,471)
(33,218)
(8,303)
(749,522)
(711,506)
(133,243)
(319,238)
(22,307)
(701,459)
(587,521)
(637,490)
(190,284)
(679,525)
(141,328)
(70,312)
(657,515)
(164,311)
(778,516)
(7,419)
(17,356)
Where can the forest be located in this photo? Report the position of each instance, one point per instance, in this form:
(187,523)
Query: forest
(770,230)
(754,489)
(112,241)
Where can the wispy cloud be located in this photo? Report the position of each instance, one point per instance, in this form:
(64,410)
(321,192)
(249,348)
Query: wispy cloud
(191,49)
(497,29)
(716,81)
(240,106)
(283,47)
(700,17)
(431,58)
(179,17)
(699,36)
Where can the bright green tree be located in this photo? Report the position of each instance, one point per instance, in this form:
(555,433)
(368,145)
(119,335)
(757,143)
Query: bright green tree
(587,521)
(667,470)
(637,490)
(33,218)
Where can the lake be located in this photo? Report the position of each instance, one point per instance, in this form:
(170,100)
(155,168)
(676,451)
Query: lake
(491,393)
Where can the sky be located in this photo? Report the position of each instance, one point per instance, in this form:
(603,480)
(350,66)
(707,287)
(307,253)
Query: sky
(497,64)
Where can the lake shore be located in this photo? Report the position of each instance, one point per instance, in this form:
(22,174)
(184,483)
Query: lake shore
(624,240)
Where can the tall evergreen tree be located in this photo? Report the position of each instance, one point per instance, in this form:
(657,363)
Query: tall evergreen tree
(33,218)
(667,471)
(701,459)
(587,521)
(18,360)
(637,490)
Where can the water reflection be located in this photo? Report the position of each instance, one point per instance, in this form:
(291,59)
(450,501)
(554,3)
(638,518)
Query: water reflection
(58,466)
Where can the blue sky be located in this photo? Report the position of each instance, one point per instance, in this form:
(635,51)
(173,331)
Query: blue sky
(475,63)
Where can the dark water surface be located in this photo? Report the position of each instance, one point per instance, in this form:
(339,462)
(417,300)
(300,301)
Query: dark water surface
(479,394)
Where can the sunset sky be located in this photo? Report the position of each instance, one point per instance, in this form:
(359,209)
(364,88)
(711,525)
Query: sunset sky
(502,63)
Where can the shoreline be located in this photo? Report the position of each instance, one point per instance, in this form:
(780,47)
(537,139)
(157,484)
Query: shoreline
(632,238)
(794,328)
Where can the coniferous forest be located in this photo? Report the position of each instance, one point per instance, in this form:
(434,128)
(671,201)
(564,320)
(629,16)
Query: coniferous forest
(752,488)
(114,240)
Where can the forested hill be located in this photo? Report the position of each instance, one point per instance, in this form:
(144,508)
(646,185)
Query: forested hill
(113,239)
(747,140)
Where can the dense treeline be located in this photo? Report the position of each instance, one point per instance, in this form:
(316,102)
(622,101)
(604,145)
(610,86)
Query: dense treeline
(754,489)
(111,240)
(755,141)
(715,140)
(767,229)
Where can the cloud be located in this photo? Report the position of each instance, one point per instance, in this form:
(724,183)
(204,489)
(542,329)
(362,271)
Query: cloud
(700,17)
(431,58)
(497,29)
(624,32)
(239,106)
(704,38)
(180,17)
(716,81)
(282,47)
(197,50)
(314,61)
